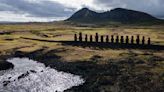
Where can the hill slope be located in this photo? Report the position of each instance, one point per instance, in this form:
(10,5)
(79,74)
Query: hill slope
(119,15)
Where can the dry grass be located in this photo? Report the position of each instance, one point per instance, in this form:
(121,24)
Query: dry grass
(63,32)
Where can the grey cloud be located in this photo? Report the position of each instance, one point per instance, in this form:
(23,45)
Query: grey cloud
(41,9)
(154,7)
(47,8)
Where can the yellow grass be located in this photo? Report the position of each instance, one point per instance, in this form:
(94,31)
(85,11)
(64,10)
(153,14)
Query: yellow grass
(63,32)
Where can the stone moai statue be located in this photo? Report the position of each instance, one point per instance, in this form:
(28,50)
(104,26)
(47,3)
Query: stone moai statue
(91,38)
(143,40)
(86,38)
(75,37)
(97,37)
(127,39)
(138,40)
(117,39)
(107,38)
(80,37)
(112,39)
(149,41)
(102,38)
(122,39)
(132,40)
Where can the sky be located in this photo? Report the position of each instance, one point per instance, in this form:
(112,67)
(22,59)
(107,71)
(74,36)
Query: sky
(54,10)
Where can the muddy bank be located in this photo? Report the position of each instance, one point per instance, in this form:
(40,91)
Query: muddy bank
(129,74)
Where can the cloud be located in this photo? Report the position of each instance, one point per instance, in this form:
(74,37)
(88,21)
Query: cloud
(7,16)
(35,8)
(154,7)
(46,10)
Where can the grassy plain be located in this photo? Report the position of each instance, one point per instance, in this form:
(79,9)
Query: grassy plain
(65,32)
(145,60)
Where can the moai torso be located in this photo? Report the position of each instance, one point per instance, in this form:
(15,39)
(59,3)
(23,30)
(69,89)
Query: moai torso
(80,37)
(138,40)
(102,38)
(75,37)
(107,38)
(143,40)
(122,39)
(132,40)
(91,39)
(86,38)
(127,40)
(97,37)
(117,39)
(149,41)
(112,39)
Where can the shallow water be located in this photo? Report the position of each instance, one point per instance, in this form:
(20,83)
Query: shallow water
(31,76)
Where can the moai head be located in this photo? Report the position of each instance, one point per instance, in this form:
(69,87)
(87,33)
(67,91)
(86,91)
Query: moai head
(133,37)
(127,37)
(80,33)
(138,36)
(86,35)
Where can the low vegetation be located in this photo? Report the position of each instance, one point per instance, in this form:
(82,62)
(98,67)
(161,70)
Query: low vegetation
(106,70)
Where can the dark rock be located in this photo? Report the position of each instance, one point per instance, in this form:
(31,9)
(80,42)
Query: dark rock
(23,75)
(9,77)
(5,83)
(4,65)
(33,71)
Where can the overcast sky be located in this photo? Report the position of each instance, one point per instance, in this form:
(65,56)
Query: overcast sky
(50,10)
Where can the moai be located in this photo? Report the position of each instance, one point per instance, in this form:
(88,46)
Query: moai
(80,37)
(143,40)
(112,39)
(138,40)
(149,41)
(75,37)
(97,37)
(102,38)
(127,40)
(91,39)
(107,38)
(132,40)
(86,38)
(117,39)
(122,39)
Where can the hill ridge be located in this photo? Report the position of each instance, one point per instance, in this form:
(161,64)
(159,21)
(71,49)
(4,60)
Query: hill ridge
(120,15)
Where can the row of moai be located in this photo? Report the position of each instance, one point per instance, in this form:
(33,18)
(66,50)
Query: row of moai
(102,38)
